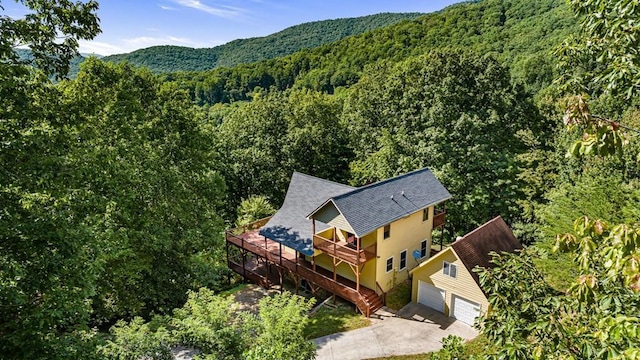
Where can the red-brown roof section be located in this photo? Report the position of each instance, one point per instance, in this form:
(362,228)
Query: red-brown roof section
(474,248)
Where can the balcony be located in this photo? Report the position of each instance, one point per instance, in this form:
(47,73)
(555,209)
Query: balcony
(439,218)
(343,251)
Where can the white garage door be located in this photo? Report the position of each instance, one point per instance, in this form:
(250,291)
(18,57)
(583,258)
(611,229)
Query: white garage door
(430,296)
(465,310)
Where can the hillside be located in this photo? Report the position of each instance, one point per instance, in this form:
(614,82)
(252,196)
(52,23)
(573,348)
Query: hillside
(288,41)
(520,33)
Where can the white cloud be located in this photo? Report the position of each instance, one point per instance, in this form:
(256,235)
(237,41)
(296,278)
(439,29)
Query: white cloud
(218,10)
(146,41)
(131,44)
(165,7)
(100,48)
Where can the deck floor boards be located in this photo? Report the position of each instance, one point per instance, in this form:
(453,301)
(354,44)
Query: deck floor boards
(257,244)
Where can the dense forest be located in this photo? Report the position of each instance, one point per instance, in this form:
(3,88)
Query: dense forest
(115,186)
(169,58)
(243,51)
(518,33)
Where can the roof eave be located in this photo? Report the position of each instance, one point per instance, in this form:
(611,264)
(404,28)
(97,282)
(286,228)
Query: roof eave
(351,229)
(369,230)
(432,259)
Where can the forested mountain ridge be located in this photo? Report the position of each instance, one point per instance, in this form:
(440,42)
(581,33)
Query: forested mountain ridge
(520,33)
(169,58)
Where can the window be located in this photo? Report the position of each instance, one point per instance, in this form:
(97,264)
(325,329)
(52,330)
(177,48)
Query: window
(449,269)
(350,237)
(425,214)
(352,240)
(403,260)
(390,264)
(423,248)
(387,231)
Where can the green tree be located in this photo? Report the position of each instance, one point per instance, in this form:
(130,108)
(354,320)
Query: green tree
(597,317)
(254,208)
(456,113)
(42,31)
(151,198)
(280,328)
(214,326)
(136,340)
(209,323)
(602,57)
(261,143)
(47,269)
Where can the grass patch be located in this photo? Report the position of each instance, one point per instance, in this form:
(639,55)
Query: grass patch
(478,348)
(233,290)
(330,320)
(399,296)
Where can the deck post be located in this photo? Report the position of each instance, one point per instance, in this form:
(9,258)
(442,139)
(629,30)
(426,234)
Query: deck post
(280,270)
(334,261)
(335,276)
(244,261)
(358,265)
(227,248)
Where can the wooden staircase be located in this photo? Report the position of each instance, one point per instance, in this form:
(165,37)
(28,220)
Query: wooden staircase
(373,301)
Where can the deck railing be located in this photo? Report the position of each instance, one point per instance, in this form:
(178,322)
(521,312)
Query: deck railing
(344,252)
(381,292)
(439,218)
(275,258)
(248,227)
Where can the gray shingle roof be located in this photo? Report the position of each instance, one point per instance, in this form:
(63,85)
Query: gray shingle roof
(289,225)
(370,207)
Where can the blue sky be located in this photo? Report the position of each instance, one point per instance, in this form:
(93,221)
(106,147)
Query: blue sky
(128,25)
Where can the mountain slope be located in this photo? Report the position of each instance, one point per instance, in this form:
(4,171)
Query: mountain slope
(520,33)
(304,36)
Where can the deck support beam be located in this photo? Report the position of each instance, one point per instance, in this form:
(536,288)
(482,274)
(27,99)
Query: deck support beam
(264,257)
(358,265)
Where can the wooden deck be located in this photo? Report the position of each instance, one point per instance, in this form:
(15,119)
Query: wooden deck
(258,254)
(342,251)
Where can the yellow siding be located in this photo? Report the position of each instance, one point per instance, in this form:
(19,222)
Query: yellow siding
(368,272)
(406,233)
(367,276)
(288,250)
(463,285)
(327,234)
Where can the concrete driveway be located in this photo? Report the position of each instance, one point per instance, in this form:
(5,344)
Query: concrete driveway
(415,329)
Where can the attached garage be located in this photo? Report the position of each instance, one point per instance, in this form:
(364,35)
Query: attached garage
(446,281)
(465,310)
(431,296)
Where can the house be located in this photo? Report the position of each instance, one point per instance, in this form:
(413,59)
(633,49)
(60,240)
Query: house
(356,243)
(447,283)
